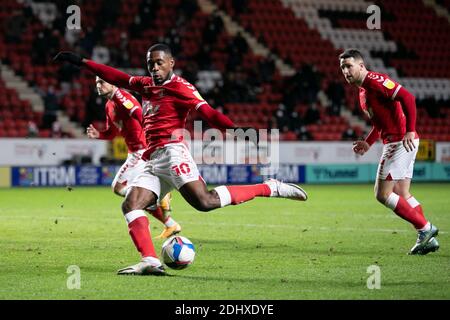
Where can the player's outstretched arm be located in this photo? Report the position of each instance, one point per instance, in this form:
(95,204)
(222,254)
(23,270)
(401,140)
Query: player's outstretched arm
(107,73)
(215,118)
(220,121)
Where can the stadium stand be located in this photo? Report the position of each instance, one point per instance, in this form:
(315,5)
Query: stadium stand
(313,103)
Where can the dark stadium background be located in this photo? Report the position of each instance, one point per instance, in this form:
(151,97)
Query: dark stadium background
(267,64)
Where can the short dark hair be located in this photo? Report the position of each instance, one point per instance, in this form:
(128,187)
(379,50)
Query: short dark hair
(351,53)
(160,47)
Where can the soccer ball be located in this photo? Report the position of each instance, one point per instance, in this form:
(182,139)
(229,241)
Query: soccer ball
(178,252)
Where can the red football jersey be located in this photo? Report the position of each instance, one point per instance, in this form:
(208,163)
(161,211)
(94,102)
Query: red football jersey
(165,108)
(124,116)
(376,97)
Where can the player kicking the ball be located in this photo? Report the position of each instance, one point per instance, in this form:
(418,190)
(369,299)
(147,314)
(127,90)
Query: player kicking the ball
(124,117)
(392,111)
(167,101)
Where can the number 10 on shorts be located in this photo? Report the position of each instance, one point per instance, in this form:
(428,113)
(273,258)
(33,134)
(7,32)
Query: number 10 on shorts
(181,169)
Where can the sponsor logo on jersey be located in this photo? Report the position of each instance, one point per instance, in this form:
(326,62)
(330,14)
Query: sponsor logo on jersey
(389,84)
(128,104)
(148,108)
(146,105)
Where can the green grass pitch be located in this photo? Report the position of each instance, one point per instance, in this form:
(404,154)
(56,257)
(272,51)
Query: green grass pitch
(263,249)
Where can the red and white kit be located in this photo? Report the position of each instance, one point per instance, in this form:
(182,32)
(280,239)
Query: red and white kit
(391,110)
(124,117)
(165,108)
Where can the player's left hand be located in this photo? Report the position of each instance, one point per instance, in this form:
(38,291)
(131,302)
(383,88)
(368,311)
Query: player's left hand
(408,141)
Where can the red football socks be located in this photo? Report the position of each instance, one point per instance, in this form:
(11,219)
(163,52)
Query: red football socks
(241,194)
(403,209)
(158,214)
(416,205)
(138,228)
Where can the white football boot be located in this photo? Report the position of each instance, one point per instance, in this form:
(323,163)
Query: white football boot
(144,268)
(286,190)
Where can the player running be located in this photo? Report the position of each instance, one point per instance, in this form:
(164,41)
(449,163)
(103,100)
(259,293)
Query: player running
(167,100)
(392,111)
(124,117)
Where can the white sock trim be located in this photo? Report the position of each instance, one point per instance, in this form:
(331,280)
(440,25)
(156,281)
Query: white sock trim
(224,196)
(133,215)
(392,200)
(413,202)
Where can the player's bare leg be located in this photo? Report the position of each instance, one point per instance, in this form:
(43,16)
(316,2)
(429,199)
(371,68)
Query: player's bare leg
(202,199)
(136,201)
(198,196)
(163,213)
(385,193)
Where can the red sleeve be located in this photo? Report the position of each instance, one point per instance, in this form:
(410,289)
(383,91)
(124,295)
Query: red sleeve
(373,136)
(408,102)
(137,83)
(109,74)
(124,99)
(214,118)
(110,132)
(382,84)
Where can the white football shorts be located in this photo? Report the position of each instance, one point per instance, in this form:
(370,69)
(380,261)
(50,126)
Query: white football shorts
(396,163)
(169,167)
(132,166)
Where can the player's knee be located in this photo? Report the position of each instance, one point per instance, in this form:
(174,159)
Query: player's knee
(127,206)
(130,205)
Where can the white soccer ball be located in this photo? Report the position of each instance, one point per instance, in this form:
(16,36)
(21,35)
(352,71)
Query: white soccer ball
(178,252)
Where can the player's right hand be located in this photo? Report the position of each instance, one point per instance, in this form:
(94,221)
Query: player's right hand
(67,56)
(360,147)
(92,132)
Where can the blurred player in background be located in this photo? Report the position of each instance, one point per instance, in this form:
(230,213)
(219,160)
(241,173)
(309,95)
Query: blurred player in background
(124,117)
(392,112)
(167,101)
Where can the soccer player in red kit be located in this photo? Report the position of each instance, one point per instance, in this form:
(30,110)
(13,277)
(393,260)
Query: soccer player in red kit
(124,117)
(167,100)
(392,111)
